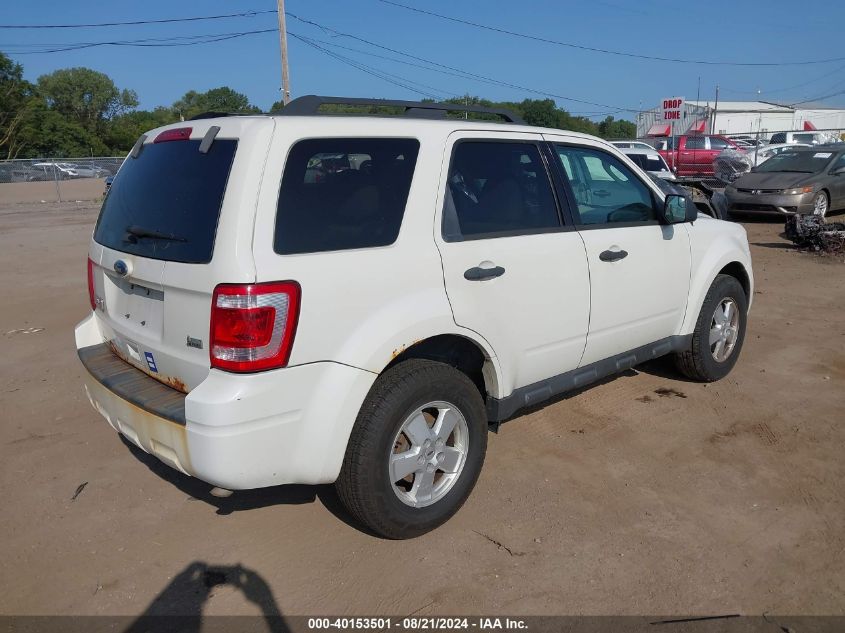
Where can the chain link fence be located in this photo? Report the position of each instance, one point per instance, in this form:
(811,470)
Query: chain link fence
(69,176)
(46,169)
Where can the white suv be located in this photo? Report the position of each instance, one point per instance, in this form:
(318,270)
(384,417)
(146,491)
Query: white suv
(313,298)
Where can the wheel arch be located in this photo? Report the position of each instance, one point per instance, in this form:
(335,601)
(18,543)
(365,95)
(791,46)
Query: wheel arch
(465,354)
(729,262)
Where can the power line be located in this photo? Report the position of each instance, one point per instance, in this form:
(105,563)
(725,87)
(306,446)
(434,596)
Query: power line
(606,51)
(822,98)
(459,74)
(464,74)
(185,40)
(396,80)
(788,88)
(245,14)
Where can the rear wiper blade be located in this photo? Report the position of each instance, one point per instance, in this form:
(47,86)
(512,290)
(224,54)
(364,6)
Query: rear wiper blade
(134,232)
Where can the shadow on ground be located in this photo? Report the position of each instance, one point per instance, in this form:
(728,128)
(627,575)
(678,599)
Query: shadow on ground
(242,500)
(179,606)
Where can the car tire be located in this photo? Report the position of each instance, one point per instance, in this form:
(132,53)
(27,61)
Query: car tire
(821,204)
(389,425)
(717,340)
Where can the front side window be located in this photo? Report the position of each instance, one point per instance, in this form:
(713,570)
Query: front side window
(605,190)
(343,193)
(497,188)
(718,143)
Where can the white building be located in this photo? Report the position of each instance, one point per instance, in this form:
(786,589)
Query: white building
(741,117)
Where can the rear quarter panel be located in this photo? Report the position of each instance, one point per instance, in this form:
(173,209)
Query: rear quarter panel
(363,307)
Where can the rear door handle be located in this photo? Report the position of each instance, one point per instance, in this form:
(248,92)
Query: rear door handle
(480,274)
(612,256)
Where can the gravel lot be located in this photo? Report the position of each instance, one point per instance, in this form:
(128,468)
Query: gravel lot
(645,494)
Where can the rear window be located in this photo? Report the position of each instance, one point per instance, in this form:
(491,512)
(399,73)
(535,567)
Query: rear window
(343,193)
(165,204)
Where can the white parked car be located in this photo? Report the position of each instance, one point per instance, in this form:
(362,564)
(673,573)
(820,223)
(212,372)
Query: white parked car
(651,161)
(765,152)
(251,325)
(632,145)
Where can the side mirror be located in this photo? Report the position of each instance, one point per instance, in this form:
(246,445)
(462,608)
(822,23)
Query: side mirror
(678,209)
(838,171)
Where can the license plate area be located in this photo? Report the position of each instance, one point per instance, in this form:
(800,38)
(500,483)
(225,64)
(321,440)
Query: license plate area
(134,308)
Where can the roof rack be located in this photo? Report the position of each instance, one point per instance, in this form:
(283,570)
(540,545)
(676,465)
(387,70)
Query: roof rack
(214,115)
(309,105)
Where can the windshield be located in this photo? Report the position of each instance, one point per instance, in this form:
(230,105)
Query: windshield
(802,162)
(165,203)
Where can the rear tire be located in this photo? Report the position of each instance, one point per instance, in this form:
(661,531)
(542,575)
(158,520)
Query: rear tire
(441,471)
(719,332)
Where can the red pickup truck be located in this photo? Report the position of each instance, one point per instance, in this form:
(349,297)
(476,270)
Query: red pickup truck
(692,155)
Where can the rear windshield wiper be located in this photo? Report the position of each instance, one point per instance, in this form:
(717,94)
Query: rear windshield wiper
(134,232)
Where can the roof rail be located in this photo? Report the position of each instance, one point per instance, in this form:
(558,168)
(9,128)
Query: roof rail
(213,115)
(309,105)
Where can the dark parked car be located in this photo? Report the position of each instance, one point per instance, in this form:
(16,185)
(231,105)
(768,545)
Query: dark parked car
(809,180)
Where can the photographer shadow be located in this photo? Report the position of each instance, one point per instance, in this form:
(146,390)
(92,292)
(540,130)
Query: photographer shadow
(178,608)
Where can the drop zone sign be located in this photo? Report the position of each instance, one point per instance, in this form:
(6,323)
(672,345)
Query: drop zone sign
(672,108)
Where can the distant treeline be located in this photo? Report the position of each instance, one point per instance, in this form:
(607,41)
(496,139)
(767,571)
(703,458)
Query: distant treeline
(76,112)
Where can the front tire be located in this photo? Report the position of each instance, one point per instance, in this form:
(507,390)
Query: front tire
(719,332)
(416,449)
(821,204)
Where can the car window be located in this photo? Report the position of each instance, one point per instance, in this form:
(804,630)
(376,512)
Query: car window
(170,189)
(718,143)
(804,138)
(798,161)
(497,187)
(695,142)
(778,138)
(343,193)
(618,196)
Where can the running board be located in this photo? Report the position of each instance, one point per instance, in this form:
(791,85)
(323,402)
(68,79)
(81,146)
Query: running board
(499,410)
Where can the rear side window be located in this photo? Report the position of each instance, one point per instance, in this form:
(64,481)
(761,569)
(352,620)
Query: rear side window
(165,203)
(780,137)
(496,189)
(343,193)
(694,142)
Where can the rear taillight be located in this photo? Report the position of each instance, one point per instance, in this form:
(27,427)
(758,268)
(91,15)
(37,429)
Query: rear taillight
(253,325)
(176,134)
(92,300)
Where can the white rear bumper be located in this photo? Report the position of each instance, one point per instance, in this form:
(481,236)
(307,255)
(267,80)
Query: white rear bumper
(247,430)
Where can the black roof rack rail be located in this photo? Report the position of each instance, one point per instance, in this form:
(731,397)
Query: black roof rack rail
(213,115)
(309,105)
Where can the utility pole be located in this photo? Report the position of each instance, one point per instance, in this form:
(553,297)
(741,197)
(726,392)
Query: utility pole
(715,110)
(283,46)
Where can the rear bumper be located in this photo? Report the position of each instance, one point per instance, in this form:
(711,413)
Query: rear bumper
(237,431)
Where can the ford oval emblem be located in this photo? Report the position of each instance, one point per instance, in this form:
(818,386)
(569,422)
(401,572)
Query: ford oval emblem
(121,268)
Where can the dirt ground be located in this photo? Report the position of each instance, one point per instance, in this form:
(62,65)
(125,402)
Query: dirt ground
(78,189)
(625,498)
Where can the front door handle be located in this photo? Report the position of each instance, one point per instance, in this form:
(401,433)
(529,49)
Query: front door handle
(612,256)
(480,274)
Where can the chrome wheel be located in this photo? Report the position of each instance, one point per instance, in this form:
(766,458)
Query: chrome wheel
(724,329)
(428,454)
(820,204)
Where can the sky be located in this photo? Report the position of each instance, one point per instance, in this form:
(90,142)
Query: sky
(758,31)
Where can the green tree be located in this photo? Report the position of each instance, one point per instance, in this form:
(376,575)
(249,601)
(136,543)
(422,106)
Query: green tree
(611,128)
(86,97)
(124,130)
(222,99)
(16,101)
(48,133)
